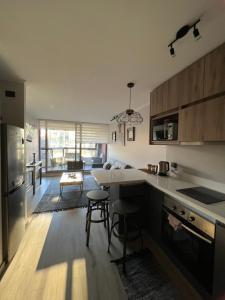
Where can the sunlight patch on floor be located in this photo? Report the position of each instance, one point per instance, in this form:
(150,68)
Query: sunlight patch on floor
(55,274)
(79,280)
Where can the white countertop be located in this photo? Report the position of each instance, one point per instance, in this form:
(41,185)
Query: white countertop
(168,185)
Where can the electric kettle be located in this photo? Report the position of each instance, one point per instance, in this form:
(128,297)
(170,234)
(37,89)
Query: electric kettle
(163,168)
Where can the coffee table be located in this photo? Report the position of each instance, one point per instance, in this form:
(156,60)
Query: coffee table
(71,178)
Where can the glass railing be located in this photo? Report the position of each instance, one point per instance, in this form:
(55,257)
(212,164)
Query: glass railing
(55,159)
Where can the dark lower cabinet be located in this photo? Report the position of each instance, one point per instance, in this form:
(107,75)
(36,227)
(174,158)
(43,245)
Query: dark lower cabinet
(219,263)
(150,201)
(133,193)
(153,212)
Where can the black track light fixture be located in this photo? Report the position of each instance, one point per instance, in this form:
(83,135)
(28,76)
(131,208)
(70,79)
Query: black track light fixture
(182,32)
(172,51)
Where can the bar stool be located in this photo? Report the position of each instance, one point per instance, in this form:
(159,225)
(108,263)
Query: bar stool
(98,200)
(126,211)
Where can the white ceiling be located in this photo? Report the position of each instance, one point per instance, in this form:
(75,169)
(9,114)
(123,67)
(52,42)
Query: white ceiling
(76,56)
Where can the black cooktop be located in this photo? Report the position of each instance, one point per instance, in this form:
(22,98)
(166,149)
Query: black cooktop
(203,195)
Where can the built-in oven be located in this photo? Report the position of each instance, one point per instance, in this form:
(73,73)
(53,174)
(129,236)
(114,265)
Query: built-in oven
(190,239)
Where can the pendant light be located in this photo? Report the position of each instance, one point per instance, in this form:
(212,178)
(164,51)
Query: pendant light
(129,116)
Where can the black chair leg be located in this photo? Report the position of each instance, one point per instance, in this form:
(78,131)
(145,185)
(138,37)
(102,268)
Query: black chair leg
(124,243)
(88,227)
(101,213)
(104,213)
(107,219)
(88,210)
(110,232)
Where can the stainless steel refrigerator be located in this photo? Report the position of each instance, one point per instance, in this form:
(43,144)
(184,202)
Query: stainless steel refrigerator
(13,189)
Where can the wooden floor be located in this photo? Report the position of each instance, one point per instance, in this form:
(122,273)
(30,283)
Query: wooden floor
(53,262)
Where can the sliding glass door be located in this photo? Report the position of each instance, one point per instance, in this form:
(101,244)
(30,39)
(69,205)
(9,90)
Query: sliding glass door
(61,142)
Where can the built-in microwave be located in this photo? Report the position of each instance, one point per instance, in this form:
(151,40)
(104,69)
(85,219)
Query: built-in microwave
(158,132)
(165,131)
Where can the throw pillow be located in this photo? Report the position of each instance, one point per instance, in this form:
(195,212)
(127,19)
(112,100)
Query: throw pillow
(106,166)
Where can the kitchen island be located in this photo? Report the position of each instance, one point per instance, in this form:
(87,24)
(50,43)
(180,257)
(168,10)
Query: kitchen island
(207,255)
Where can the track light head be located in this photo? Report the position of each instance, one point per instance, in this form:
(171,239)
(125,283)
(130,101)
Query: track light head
(172,51)
(196,34)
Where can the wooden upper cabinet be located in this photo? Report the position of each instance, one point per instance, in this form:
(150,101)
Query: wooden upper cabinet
(214,120)
(173,93)
(190,83)
(187,86)
(191,123)
(214,82)
(158,99)
(153,103)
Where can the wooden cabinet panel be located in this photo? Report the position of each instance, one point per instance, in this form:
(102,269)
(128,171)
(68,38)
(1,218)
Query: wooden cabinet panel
(215,72)
(173,93)
(190,83)
(187,86)
(214,120)
(159,99)
(191,123)
(153,103)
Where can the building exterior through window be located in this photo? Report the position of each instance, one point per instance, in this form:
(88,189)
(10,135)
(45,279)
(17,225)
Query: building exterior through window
(60,142)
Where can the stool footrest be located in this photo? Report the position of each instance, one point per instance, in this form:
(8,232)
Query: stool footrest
(117,260)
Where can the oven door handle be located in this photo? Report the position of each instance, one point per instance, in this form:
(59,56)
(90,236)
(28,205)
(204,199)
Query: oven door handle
(196,234)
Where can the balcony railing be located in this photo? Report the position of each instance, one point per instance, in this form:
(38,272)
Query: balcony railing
(55,159)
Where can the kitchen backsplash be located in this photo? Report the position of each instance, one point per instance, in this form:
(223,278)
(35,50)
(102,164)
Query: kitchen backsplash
(203,165)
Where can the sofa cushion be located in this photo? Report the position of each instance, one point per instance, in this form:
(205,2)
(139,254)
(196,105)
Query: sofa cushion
(107,166)
(128,167)
(114,167)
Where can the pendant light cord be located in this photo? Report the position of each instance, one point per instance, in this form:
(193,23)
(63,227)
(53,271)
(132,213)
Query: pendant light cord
(130,99)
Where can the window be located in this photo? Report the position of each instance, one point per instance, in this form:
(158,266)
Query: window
(63,141)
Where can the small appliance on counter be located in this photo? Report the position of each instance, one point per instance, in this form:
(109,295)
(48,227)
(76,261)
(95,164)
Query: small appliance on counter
(163,168)
(152,169)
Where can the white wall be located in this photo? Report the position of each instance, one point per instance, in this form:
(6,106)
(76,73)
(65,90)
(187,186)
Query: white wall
(203,165)
(138,153)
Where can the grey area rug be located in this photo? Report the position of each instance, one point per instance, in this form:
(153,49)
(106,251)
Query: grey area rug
(145,280)
(71,196)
